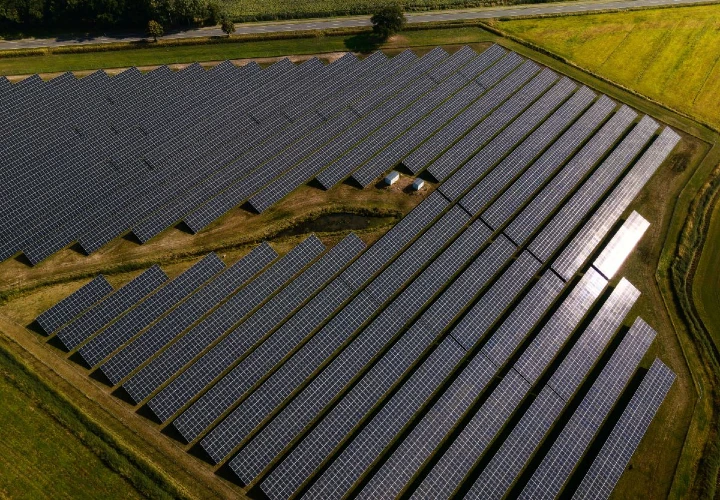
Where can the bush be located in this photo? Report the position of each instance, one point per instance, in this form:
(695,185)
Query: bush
(388,20)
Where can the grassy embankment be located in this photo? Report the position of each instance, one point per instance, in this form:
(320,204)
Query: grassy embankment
(49,449)
(670,56)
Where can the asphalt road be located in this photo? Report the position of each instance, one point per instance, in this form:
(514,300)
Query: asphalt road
(352,22)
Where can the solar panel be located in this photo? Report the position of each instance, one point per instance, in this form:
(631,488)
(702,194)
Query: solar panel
(506,140)
(568,377)
(364,347)
(464,451)
(616,452)
(511,457)
(522,156)
(394,240)
(616,203)
(562,458)
(150,310)
(576,209)
(79,330)
(466,120)
(522,227)
(314,448)
(221,321)
(200,303)
(309,358)
(453,300)
(502,210)
(337,479)
(380,138)
(462,150)
(221,356)
(622,243)
(427,435)
(236,426)
(74,304)
(550,339)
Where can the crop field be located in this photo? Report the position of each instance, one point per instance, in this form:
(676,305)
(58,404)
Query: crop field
(670,55)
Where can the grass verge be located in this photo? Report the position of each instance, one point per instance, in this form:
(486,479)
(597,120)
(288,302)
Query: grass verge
(49,445)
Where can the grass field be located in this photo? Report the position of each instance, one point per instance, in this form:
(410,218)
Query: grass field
(54,63)
(670,55)
(38,455)
(48,449)
(249,10)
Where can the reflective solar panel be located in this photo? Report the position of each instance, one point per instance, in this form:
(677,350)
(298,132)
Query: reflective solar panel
(557,465)
(616,203)
(621,245)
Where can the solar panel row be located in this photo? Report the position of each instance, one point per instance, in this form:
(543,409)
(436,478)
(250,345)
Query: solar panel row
(613,458)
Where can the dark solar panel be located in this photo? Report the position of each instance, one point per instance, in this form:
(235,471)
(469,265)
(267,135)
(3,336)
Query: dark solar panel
(74,304)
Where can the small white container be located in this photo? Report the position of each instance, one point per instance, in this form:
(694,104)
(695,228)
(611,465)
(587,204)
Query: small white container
(392,178)
(418,184)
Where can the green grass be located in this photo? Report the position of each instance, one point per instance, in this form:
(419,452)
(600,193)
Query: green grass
(706,295)
(670,55)
(49,449)
(250,10)
(54,63)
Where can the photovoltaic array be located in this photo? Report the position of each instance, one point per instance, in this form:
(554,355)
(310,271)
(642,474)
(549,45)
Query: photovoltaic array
(482,347)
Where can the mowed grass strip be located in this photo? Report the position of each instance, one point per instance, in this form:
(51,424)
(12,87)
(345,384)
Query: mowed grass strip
(154,56)
(299,9)
(670,55)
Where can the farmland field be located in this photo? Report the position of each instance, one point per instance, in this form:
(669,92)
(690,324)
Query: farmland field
(669,55)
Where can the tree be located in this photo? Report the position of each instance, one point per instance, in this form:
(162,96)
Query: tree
(227,26)
(155,29)
(214,14)
(388,20)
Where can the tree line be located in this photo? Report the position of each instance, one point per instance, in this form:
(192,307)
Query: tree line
(104,14)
